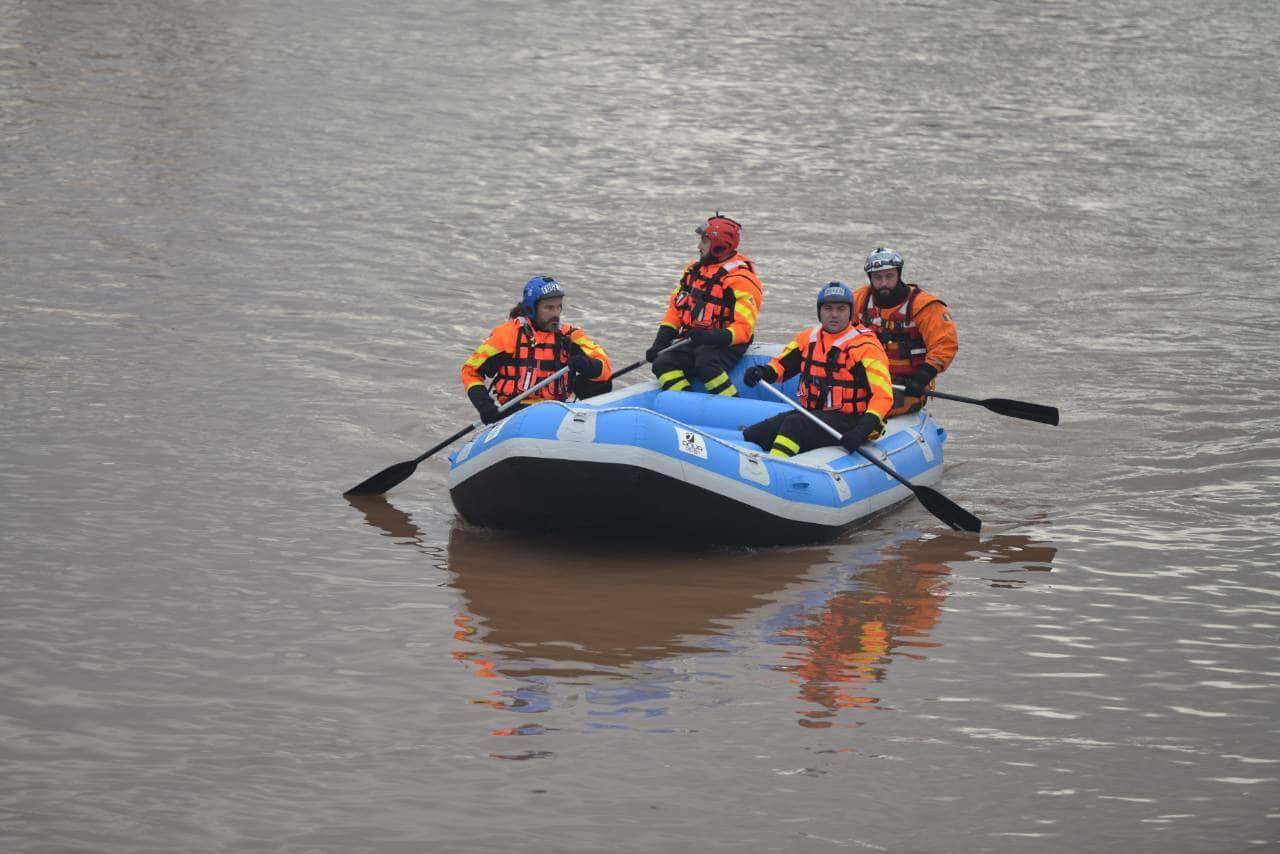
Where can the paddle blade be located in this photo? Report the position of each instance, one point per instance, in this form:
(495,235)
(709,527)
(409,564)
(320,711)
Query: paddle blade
(384,480)
(1022,409)
(947,510)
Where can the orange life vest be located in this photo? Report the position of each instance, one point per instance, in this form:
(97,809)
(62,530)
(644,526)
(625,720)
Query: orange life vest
(703,301)
(901,337)
(827,383)
(538,355)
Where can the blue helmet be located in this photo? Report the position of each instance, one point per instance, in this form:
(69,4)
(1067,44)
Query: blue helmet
(539,288)
(834,292)
(883,259)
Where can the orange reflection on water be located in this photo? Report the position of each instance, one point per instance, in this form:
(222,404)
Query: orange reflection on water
(885,610)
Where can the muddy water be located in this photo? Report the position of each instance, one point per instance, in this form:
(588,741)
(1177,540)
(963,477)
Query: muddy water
(245,248)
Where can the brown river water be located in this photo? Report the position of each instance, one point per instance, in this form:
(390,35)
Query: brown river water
(245,247)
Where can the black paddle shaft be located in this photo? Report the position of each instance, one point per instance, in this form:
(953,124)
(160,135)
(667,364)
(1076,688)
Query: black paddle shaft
(631,367)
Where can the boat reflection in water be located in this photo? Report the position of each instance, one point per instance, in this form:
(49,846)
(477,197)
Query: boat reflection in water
(620,624)
(553,608)
(843,636)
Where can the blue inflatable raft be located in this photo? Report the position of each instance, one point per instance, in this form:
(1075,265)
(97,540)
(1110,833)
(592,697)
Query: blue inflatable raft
(665,465)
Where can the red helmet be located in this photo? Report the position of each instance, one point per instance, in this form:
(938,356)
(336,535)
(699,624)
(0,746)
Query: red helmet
(723,233)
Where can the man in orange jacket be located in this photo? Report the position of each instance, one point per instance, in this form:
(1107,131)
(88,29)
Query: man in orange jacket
(715,304)
(914,326)
(530,347)
(844,382)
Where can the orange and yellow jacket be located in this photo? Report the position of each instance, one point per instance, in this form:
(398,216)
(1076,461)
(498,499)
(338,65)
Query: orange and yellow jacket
(723,295)
(517,355)
(846,372)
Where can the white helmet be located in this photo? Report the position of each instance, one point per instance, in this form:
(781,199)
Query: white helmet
(883,259)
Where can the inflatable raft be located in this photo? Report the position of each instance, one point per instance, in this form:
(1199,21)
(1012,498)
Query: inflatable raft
(666,465)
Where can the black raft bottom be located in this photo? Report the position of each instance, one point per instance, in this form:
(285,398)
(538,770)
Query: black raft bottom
(608,499)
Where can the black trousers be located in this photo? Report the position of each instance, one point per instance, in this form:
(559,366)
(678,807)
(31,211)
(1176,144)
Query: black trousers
(800,429)
(703,363)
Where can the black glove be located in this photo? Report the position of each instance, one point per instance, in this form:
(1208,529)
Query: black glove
(585,367)
(858,434)
(484,404)
(711,337)
(914,385)
(661,341)
(755,373)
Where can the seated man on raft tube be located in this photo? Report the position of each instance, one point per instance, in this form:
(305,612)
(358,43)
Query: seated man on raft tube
(844,381)
(715,304)
(913,325)
(530,347)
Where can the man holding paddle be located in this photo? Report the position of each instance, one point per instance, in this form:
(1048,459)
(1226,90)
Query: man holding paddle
(844,383)
(913,325)
(530,347)
(557,351)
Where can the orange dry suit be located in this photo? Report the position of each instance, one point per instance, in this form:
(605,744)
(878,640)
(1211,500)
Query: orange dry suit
(518,355)
(916,332)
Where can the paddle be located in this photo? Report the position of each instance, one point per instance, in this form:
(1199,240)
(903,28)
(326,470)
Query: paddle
(634,365)
(935,502)
(1003,406)
(393,475)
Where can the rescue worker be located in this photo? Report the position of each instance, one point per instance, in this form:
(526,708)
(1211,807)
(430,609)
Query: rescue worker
(914,326)
(844,381)
(715,304)
(530,347)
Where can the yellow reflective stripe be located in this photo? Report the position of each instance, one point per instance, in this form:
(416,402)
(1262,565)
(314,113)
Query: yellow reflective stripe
(717,381)
(590,348)
(483,353)
(671,376)
(878,375)
(719,384)
(875,366)
(786,444)
(681,385)
(778,452)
